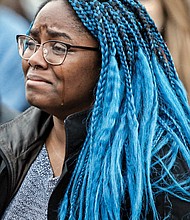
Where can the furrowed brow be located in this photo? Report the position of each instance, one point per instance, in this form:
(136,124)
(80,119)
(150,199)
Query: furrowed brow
(34,33)
(55,34)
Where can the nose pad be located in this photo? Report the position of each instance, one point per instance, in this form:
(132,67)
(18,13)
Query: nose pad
(45,52)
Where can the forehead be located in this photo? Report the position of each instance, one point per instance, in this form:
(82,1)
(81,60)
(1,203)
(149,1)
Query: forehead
(58,16)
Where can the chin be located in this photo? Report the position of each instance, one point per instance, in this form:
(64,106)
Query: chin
(37,103)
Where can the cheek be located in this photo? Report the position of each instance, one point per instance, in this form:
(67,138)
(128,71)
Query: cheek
(77,79)
(81,77)
(88,72)
(25,66)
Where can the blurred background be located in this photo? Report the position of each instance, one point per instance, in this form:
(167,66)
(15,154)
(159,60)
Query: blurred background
(25,8)
(172,18)
(15,18)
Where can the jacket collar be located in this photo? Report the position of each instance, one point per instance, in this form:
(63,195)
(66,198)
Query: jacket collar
(32,127)
(76,129)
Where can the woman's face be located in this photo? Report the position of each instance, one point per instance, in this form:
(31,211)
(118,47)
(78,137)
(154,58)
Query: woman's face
(155,10)
(67,88)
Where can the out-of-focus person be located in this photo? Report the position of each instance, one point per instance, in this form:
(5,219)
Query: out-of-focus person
(172,18)
(12,89)
(25,8)
(15,16)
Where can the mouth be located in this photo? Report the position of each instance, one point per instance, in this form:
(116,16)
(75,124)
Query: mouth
(32,78)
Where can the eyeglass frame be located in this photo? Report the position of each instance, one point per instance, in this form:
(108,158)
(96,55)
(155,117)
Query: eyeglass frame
(68,46)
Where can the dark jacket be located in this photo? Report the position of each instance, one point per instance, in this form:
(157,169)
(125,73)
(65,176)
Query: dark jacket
(20,142)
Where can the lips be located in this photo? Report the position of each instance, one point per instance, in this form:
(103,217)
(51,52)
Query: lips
(37,78)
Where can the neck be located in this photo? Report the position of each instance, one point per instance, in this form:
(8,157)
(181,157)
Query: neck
(56,146)
(58,132)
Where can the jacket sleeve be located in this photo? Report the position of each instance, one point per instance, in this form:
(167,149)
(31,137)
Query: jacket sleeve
(3,186)
(180,208)
(172,207)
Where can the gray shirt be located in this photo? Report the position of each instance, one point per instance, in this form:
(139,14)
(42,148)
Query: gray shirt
(31,200)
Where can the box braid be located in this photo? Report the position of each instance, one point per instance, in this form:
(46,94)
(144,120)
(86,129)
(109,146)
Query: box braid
(139,125)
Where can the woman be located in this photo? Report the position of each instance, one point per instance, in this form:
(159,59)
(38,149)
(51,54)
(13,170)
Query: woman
(172,18)
(108,137)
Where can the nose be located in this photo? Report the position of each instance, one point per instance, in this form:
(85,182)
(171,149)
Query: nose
(37,59)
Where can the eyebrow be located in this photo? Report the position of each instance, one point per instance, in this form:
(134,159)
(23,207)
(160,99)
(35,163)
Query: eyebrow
(51,33)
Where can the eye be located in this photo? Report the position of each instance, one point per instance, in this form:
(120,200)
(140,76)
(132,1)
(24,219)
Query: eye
(29,44)
(59,48)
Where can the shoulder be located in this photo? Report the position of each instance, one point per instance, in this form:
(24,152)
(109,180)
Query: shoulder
(25,129)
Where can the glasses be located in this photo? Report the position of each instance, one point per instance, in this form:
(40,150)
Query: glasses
(54,52)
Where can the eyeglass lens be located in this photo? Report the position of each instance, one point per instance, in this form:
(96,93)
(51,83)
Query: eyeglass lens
(53,52)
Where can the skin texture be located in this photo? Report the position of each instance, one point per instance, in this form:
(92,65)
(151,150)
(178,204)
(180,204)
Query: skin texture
(172,19)
(155,9)
(67,88)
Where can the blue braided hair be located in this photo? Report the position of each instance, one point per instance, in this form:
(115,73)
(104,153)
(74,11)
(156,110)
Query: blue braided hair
(139,126)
